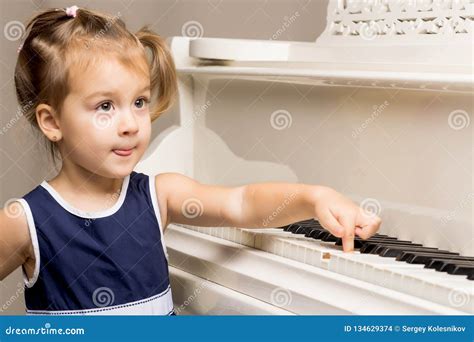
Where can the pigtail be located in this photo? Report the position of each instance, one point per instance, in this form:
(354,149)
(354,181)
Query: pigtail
(35,54)
(163,77)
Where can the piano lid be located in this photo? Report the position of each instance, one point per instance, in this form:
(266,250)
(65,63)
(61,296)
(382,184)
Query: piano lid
(427,44)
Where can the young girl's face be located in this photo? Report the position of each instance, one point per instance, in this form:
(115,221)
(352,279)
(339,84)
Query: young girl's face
(105,120)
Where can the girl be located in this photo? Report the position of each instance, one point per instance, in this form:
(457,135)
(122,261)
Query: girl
(90,240)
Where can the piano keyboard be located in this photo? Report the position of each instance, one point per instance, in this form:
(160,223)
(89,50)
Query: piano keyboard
(387,246)
(436,275)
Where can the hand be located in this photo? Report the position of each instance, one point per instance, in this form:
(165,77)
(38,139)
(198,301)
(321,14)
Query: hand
(343,218)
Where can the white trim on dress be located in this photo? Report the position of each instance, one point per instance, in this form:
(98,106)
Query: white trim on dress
(89,214)
(160,304)
(156,208)
(34,240)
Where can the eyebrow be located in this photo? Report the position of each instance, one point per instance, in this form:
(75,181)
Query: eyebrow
(111,93)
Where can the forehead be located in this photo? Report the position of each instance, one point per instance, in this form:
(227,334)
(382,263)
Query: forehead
(108,71)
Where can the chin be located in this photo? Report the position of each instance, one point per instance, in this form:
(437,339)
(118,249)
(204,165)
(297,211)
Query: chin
(119,171)
(122,172)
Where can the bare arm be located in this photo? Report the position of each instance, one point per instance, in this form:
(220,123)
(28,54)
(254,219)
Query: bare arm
(278,204)
(262,205)
(15,241)
(184,200)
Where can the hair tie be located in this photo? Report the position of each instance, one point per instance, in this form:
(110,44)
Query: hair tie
(72,11)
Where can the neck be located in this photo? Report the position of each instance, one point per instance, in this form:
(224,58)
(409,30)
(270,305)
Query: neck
(72,176)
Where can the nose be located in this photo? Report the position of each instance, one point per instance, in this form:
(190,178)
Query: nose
(128,124)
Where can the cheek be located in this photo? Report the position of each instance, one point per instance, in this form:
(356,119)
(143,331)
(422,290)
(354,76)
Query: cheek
(102,122)
(145,130)
(87,132)
(147,133)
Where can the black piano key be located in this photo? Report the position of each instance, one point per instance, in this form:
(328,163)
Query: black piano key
(437,264)
(296,227)
(301,230)
(372,248)
(440,261)
(381,237)
(329,238)
(459,269)
(288,227)
(370,244)
(319,235)
(358,243)
(394,243)
(447,265)
(388,246)
(371,239)
(423,257)
(313,231)
(395,251)
(323,234)
(381,248)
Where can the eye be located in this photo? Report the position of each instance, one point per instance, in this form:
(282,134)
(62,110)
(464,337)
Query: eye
(105,106)
(141,102)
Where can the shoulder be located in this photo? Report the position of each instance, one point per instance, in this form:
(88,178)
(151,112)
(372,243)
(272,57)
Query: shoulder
(14,222)
(169,180)
(166,184)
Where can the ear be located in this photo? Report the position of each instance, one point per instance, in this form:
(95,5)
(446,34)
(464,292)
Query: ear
(48,122)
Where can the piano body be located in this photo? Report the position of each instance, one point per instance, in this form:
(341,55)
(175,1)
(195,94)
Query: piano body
(379,108)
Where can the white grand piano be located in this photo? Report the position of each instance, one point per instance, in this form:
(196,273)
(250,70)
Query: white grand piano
(379,108)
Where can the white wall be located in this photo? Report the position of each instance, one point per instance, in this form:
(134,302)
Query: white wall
(23,164)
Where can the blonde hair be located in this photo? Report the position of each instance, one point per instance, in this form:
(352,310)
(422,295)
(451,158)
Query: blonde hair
(54,41)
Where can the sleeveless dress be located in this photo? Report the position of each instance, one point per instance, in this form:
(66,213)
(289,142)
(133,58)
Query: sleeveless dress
(111,262)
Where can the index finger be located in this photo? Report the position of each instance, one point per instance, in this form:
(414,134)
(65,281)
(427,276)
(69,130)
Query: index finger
(348,238)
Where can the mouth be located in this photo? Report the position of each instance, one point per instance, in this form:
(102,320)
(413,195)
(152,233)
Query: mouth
(124,152)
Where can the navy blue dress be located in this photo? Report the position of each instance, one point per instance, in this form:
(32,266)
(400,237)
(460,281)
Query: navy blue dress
(111,262)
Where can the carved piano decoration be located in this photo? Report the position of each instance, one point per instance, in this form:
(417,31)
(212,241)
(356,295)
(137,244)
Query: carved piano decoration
(379,108)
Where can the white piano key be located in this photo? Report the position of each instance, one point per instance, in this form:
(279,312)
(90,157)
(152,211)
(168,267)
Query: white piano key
(308,284)
(386,272)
